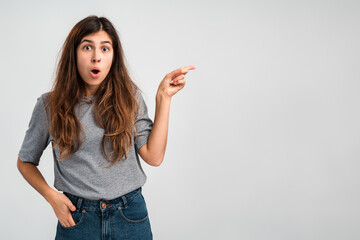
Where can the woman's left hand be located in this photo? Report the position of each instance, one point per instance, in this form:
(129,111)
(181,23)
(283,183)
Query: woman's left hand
(173,81)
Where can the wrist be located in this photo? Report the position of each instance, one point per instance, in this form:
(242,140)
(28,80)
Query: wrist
(162,97)
(49,194)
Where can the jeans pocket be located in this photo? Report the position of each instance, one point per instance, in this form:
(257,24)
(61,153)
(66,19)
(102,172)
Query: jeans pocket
(78,219)
(136,210)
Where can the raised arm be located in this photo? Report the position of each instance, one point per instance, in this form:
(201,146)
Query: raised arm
(153,152)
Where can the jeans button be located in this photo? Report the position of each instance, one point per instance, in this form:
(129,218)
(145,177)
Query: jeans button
(103,205)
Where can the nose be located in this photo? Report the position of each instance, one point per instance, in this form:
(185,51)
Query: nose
(96,57)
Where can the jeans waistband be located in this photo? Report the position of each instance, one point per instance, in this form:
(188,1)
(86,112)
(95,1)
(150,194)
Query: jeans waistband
(101,205)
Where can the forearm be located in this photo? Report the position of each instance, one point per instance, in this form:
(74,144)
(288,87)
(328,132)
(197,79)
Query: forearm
(158,136)
(34,177)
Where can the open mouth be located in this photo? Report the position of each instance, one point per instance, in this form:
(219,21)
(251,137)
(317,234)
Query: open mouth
(95,72)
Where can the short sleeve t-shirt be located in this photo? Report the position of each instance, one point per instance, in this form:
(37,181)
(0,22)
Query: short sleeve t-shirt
(84,173)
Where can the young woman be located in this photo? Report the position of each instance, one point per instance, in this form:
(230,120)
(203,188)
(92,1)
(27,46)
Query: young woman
(97,122)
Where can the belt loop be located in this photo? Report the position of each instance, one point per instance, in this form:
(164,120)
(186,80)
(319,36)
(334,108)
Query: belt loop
(124,201)
(79,201)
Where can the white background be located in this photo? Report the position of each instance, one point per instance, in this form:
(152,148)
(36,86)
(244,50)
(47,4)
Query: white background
(263,140)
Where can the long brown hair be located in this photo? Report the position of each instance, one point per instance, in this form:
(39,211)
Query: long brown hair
(115,105)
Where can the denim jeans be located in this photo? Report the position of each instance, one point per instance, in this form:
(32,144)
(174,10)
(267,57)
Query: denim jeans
(125,217)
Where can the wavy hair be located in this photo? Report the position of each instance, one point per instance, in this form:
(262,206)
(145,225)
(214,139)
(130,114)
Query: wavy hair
(115,104)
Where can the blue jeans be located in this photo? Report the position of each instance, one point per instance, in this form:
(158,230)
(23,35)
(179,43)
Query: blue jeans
(125,217)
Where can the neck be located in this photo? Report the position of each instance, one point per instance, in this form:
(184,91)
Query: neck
(90,92)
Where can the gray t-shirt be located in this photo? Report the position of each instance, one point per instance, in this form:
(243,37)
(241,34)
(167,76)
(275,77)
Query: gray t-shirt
(85,173)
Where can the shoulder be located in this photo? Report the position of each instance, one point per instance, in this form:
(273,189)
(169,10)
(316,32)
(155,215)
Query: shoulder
(41,103)
(142,108)
(44,97)
(140,97)
(138,94)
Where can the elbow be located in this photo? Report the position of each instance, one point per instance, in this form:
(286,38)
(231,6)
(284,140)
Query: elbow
(157,162)
(19,164)
(152,158)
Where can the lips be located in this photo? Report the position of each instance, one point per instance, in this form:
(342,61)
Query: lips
(95,72)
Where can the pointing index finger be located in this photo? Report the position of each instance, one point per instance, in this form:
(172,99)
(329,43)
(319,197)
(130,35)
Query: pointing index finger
(186,69)
(179,71)
(190,67)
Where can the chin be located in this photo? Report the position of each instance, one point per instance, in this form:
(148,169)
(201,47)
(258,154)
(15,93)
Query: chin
(94,83)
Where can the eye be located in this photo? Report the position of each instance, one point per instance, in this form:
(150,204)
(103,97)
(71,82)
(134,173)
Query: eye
(106,49)
(87,47)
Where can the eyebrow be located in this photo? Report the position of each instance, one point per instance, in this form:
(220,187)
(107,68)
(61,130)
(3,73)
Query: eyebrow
(86,40)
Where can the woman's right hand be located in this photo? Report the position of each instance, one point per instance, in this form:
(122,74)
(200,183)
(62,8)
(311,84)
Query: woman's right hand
(62,207)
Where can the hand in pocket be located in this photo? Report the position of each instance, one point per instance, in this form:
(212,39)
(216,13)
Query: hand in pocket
(62,207)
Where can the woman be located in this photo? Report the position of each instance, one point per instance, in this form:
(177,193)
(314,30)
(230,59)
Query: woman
(97,122)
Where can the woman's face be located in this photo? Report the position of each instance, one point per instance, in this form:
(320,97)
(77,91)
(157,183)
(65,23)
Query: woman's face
(94,58)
